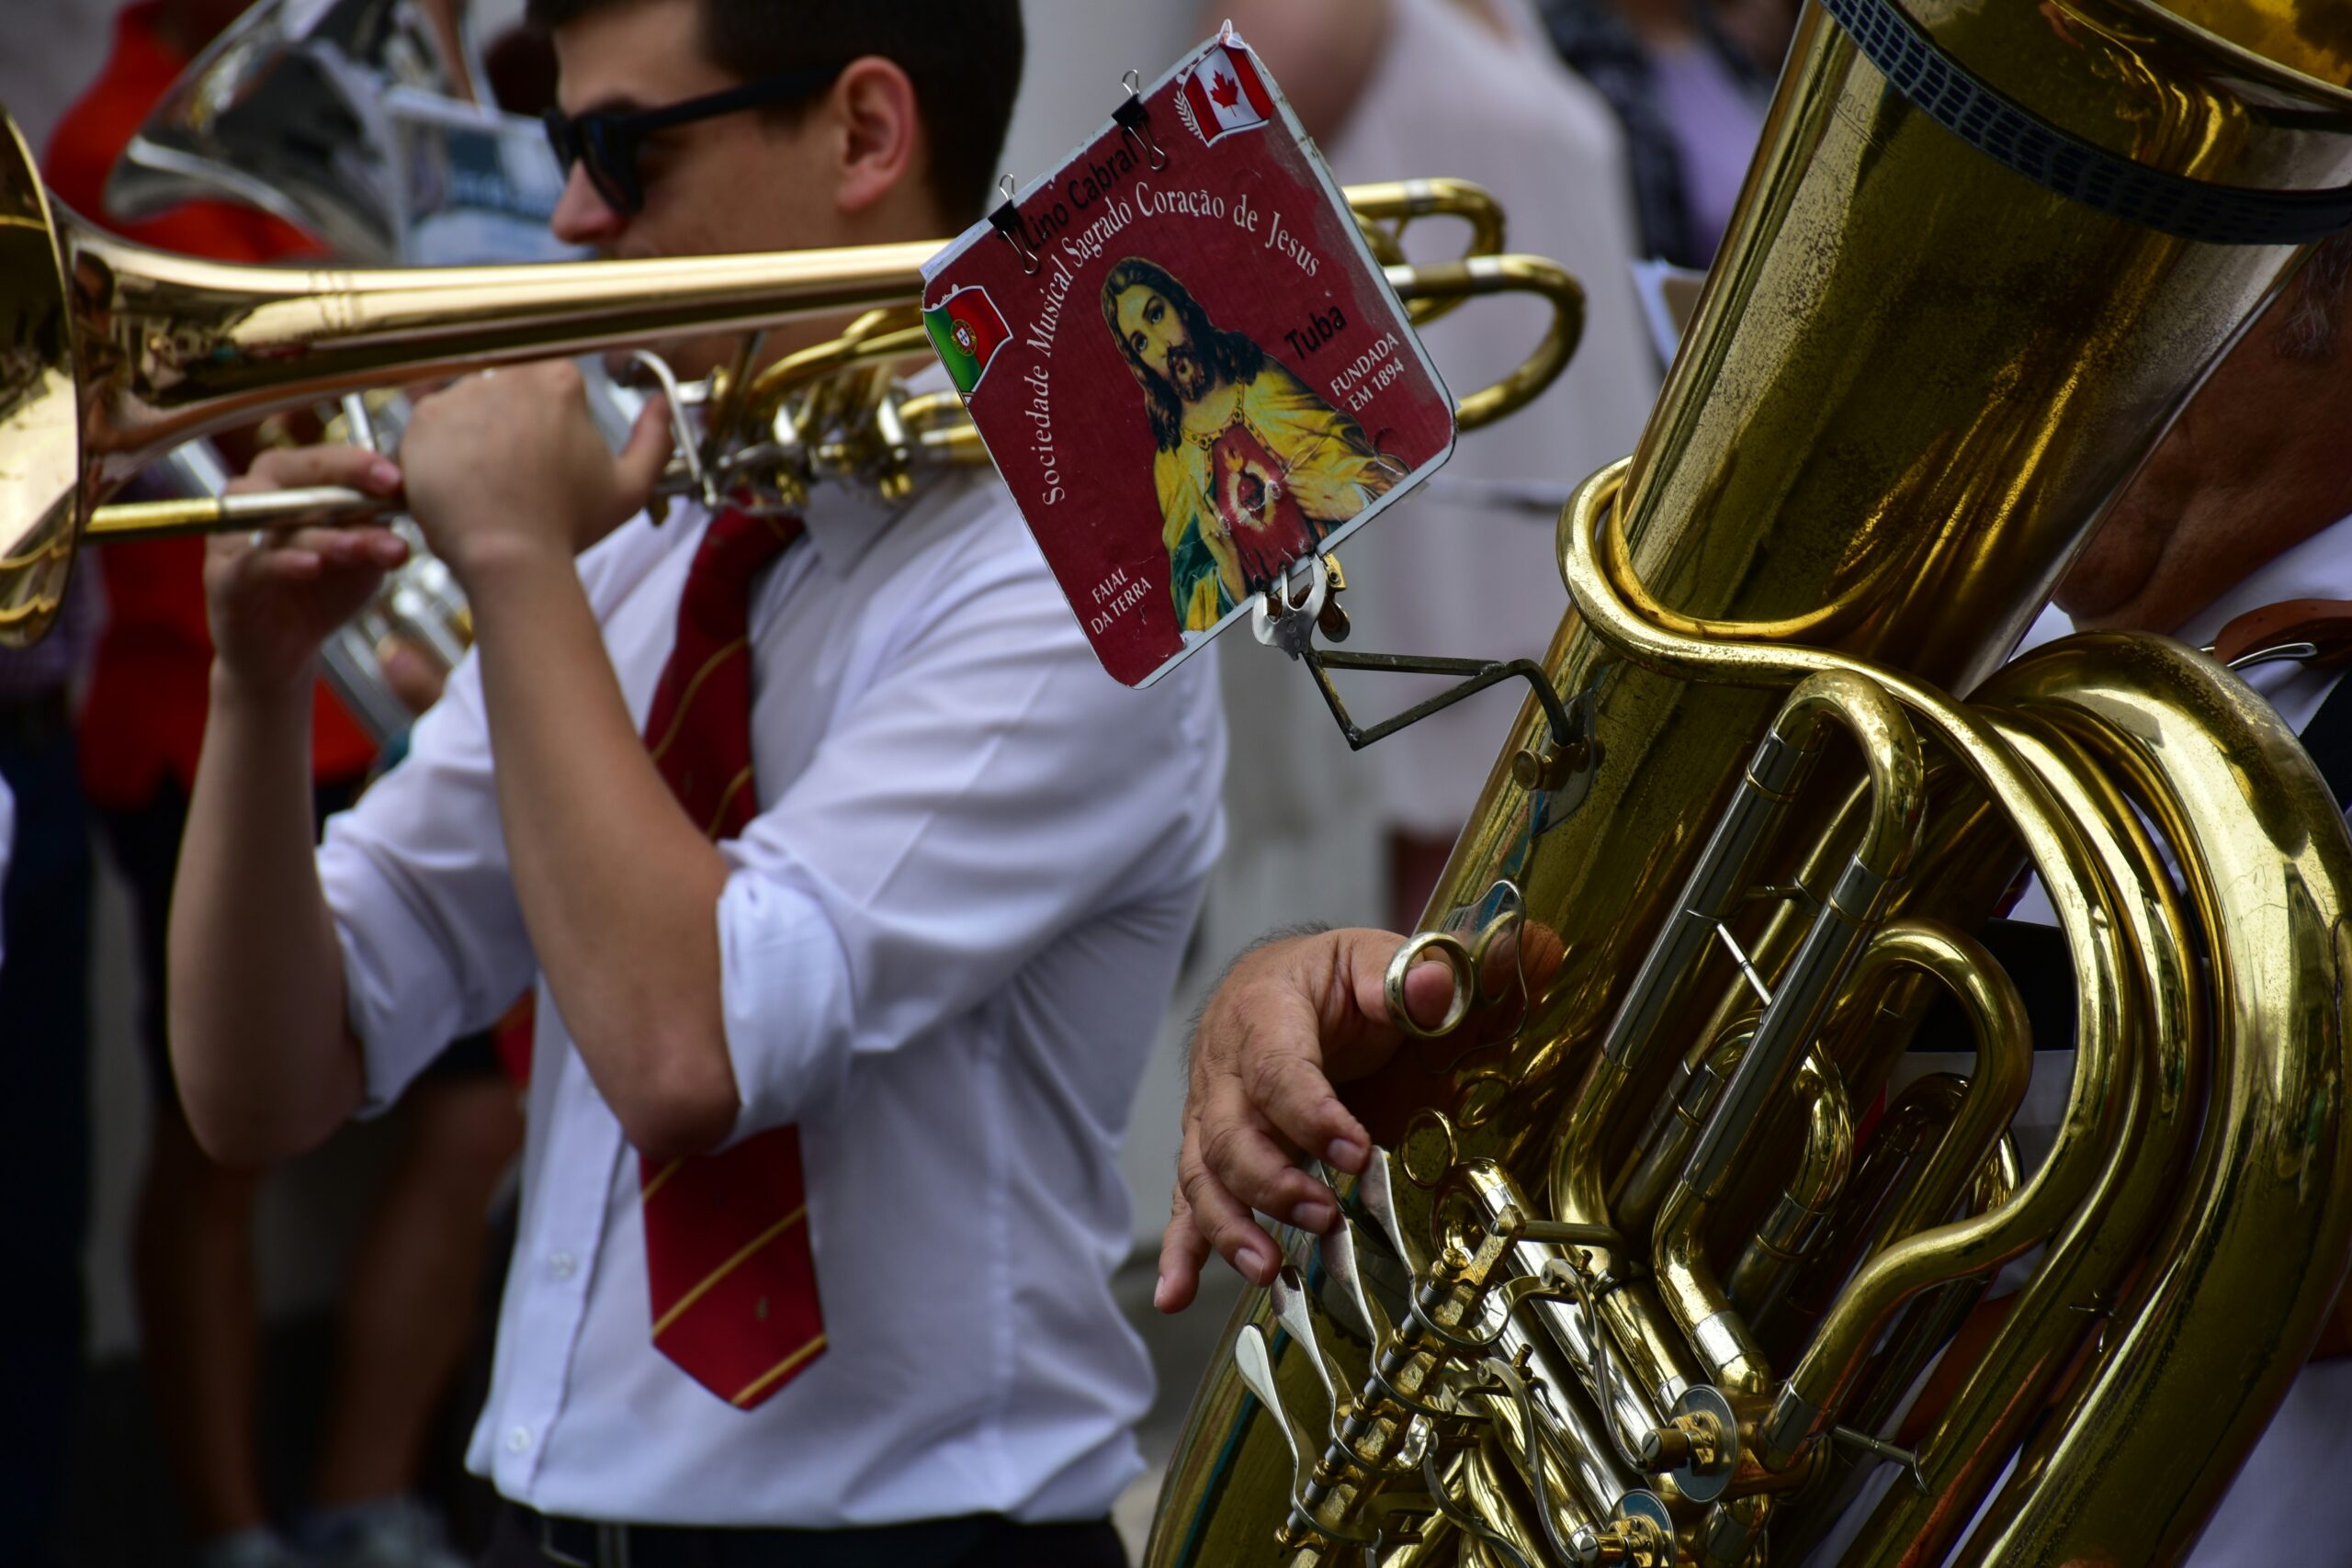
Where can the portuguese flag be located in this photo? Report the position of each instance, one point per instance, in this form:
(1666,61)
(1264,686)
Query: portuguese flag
(966,329)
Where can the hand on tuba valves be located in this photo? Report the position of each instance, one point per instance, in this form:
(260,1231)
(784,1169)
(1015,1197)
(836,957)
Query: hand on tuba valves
(1293,1016)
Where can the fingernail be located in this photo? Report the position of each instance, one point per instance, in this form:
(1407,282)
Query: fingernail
(1312,1215)
(384,474)
(1253,1261)
(1345,1153)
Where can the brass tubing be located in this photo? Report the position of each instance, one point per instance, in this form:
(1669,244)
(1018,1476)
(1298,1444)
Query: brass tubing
(1902,1267)
(1801,994)
(2060,1307)
(1805,988)
(1789,1234)
(947,438)
(1998,1178)
(1576,1483)
(1686,1280)
(807,368)
(2244,1275)
(1997,1019)
(1711,894)
(1479,274)
(1653,1353)
(1728,1534)
(1665,1142)
(1635,1408)
(227,513)
(1915,1120)
(1595,1475)
(1923,1330)
(1402,201)
(1803,1408)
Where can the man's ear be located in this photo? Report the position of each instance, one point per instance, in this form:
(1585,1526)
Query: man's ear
(879,139)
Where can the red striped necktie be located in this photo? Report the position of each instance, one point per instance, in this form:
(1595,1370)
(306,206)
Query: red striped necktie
(734,1282)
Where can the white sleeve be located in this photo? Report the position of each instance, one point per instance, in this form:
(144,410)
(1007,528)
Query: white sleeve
(415,875)
(989,788)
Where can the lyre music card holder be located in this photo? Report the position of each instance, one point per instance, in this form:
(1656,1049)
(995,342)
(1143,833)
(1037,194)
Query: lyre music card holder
(1185,362)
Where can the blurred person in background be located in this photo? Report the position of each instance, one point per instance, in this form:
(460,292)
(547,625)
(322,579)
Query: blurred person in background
(1393,89)
(410,1304)
(1688,81)
(44,1052)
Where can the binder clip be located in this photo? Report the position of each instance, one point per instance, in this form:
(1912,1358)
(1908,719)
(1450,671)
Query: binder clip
(1006,220)
(1133,121)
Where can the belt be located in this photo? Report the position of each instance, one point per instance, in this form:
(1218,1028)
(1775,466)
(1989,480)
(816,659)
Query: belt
(980,1540)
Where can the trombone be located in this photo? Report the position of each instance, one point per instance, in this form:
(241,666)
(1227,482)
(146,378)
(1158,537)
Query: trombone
(112,354)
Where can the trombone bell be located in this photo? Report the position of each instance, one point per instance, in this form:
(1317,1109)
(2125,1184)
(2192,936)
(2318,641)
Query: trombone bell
(147,349)
(41,484)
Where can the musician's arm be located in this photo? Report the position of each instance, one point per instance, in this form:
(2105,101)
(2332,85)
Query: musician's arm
(266,1063)
(620,891)
(510,479)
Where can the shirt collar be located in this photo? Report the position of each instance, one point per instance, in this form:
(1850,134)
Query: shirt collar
(845,520)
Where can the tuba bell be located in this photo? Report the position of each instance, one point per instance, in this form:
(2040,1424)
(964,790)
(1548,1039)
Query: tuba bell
(367,123)
(1622,1285)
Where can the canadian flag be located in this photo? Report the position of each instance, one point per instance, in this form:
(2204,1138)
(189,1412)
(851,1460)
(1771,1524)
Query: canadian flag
(1222,91)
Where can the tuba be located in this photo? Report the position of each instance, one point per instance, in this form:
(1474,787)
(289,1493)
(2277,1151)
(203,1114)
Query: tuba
(365,122)
(1622,1283)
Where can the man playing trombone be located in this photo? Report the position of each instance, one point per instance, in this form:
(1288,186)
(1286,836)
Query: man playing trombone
(852,889)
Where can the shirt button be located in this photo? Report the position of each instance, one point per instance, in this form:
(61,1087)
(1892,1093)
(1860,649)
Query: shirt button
(562,1265)
(518,1439)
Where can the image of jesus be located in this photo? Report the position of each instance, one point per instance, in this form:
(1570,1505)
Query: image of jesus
(1253,470)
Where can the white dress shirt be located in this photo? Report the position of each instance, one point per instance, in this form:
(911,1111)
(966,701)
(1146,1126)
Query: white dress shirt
(945,944)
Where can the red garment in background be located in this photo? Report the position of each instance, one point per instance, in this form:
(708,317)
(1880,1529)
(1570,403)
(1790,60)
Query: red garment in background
(144,720)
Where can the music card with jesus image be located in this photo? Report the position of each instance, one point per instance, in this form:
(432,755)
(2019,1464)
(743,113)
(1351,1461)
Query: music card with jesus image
(1187,364)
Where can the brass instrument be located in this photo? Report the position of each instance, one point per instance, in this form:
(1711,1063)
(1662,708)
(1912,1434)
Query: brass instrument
(114,354)
(365,122)
(837,412)
(1619,1286)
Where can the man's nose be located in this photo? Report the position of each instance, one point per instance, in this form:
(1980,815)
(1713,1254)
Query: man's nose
(582,217)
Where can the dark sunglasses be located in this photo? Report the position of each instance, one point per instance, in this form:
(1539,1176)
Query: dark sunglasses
(608,140)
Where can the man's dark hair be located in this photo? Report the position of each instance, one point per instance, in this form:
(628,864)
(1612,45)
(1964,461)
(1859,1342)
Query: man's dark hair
(963,56)
(1230,356)
(2312,307)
